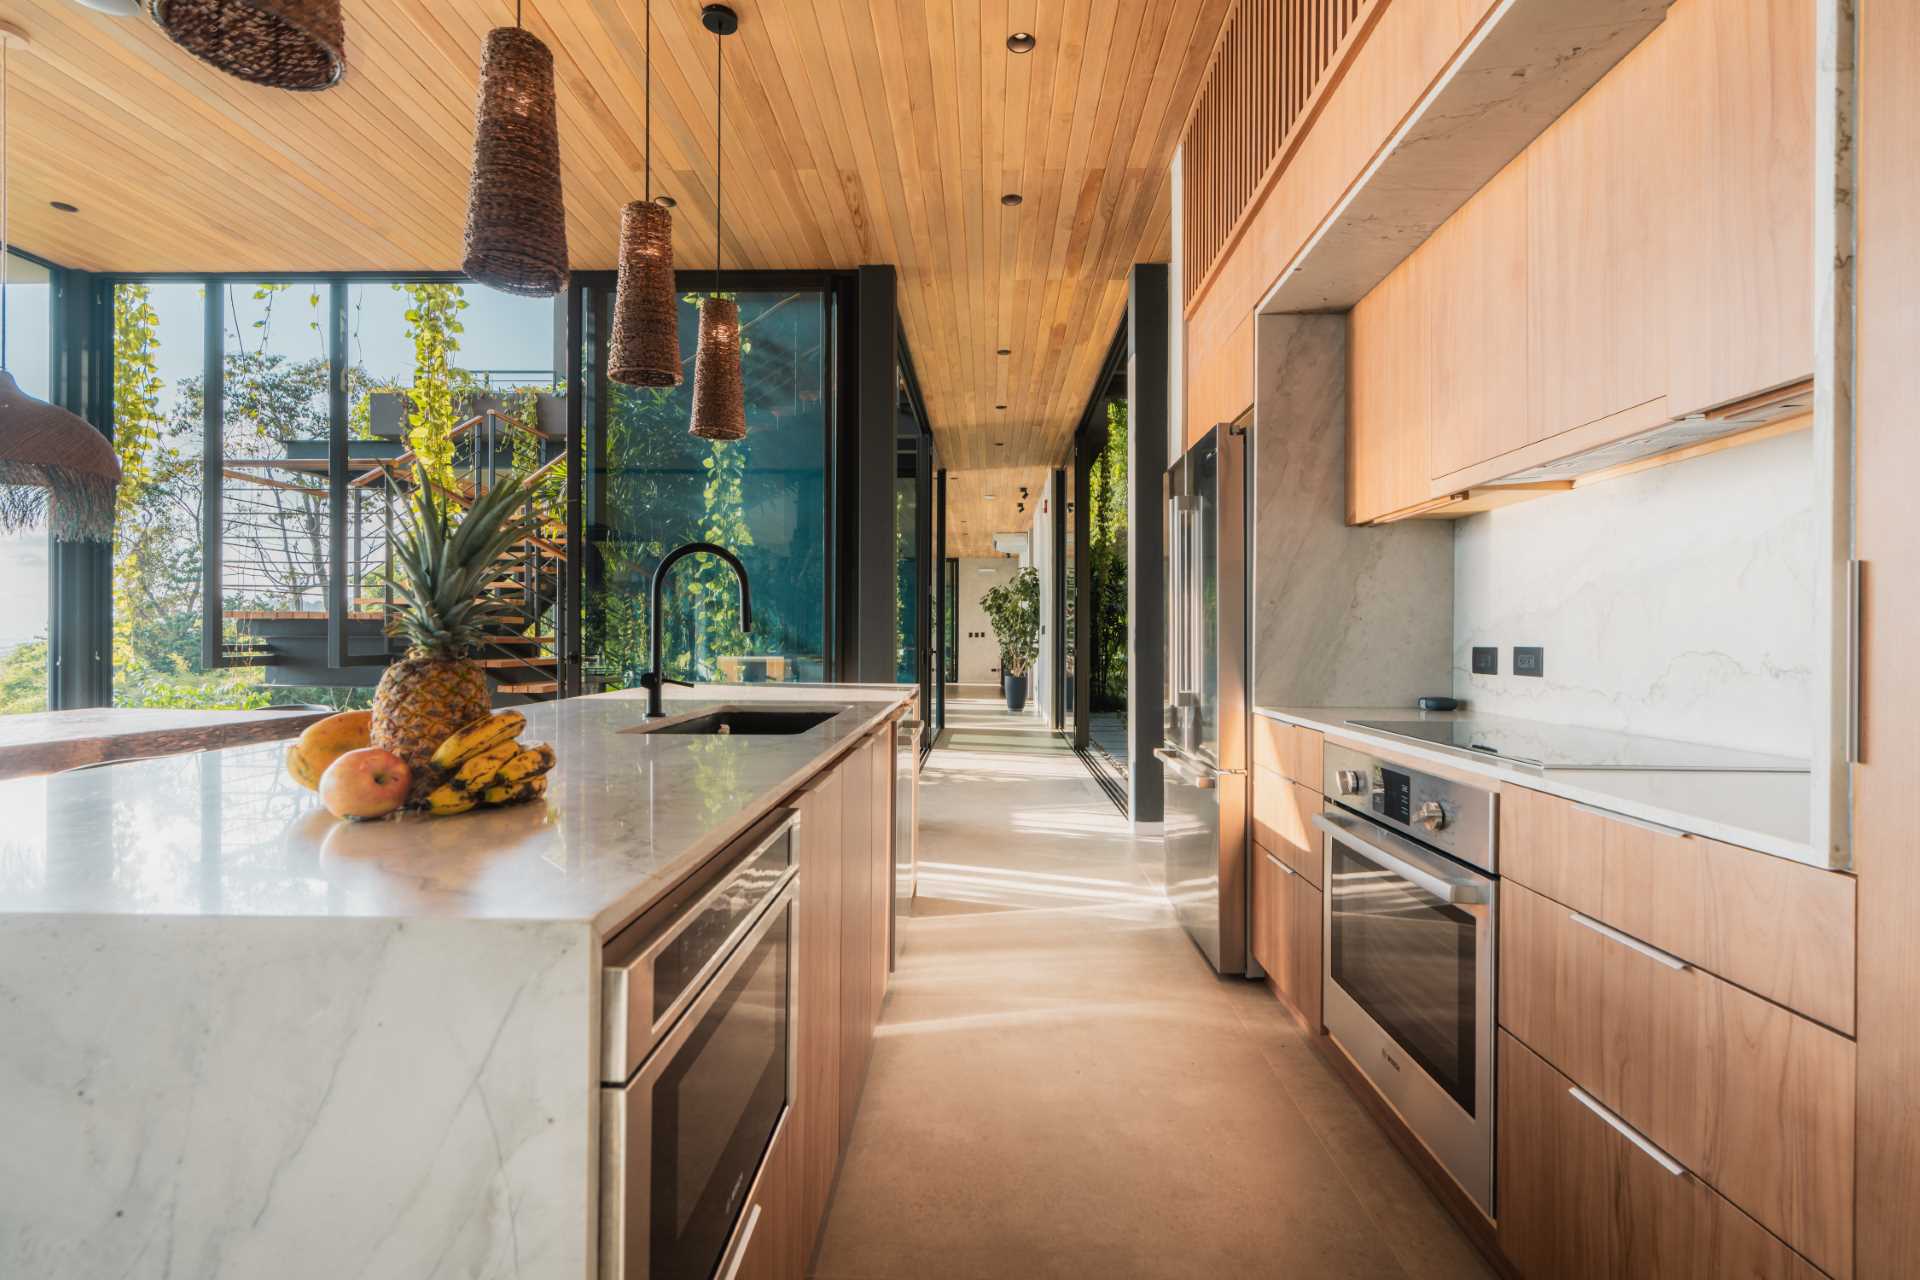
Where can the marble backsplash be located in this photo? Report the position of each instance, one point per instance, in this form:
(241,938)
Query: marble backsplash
(1676,602)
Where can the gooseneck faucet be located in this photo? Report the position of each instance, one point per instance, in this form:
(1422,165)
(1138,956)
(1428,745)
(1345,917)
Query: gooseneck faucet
(653,681)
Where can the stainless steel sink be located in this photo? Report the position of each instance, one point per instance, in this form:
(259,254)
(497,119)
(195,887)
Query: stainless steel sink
(744,721)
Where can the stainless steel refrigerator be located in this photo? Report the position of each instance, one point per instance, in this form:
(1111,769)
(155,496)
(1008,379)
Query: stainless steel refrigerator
(1204,741)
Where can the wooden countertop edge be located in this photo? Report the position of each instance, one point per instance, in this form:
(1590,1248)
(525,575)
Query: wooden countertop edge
(28,759)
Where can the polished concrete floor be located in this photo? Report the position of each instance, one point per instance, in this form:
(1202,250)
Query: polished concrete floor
(1062,1087)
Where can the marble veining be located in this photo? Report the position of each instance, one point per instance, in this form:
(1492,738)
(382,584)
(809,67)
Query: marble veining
(1676,602)
(1339,614)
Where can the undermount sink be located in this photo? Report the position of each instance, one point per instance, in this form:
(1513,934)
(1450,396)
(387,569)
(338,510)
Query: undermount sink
(745,721)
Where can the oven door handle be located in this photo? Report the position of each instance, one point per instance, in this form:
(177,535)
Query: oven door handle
(1407,860)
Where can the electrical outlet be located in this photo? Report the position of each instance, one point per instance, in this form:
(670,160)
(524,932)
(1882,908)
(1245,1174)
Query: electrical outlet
(1486,660)
(1529,660)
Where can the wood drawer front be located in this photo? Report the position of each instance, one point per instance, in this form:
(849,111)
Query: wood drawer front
(1756,1100)
(1283,821)
(1778,928)
(1288,750)
(1265,933)
(1579,1200)
(1287,926)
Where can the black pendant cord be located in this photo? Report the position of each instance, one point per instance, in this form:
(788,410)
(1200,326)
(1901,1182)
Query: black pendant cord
(719,156)
(516,13)
(649,116)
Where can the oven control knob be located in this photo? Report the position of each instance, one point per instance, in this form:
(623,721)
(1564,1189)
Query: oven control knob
(1351,783)
(1430,815)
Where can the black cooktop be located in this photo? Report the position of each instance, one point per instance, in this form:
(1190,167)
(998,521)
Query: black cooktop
(1553,746)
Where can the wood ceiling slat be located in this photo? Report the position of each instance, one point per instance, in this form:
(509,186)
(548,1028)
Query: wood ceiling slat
(858,131)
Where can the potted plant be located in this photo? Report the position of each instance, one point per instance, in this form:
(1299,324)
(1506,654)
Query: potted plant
(1013,610)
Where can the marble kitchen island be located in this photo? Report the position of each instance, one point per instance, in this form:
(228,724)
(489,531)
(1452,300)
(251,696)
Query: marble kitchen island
(239,1038)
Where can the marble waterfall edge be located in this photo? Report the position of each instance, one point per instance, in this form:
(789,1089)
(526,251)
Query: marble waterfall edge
(295,1098)
(1341,616)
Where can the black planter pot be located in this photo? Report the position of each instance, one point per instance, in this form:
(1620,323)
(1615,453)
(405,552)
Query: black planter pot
(1016,690)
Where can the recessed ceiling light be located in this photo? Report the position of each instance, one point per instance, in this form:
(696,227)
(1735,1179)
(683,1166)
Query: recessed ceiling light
(1005,351)
(986,497)
(1000,407)
(1010,199)
(64,207)
(1021,42)
(665,201)
(999,444)
(117,8)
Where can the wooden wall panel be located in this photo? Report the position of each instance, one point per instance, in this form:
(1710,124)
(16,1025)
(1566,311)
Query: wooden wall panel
(1886,842)
(1220,382)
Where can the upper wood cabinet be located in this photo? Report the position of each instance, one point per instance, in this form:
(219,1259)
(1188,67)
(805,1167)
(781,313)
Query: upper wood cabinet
(1741,217)
(1597,190)
(1477,281)
(1388,396)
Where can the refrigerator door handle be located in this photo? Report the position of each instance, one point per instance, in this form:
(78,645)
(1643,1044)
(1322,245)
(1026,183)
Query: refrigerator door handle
(1177,765)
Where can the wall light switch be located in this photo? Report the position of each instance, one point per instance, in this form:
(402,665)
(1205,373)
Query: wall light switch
(1529,660)
(1486,660)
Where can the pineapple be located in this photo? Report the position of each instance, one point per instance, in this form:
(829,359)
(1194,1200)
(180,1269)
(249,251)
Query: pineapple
(443,566)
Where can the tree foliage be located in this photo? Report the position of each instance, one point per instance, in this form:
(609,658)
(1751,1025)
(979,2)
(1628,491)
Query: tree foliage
(1107,562)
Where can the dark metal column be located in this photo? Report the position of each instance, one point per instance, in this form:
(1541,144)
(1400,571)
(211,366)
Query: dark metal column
(583,404)
(1057,495)
(212,460)
(338,569)
(867,642)
(939,707)
(80,574)
(1149,390)
(1086,449)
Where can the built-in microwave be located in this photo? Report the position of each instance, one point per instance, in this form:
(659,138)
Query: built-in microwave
(698,1070)
(1409,955)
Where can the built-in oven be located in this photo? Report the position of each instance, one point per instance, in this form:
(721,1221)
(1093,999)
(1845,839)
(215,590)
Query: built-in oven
(698,1067)
(1409,955)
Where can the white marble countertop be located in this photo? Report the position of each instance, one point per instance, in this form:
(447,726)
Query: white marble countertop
(226,833)
(1768,812)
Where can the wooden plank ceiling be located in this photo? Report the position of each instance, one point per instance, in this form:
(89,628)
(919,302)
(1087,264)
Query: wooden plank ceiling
(857,131)
(986,501)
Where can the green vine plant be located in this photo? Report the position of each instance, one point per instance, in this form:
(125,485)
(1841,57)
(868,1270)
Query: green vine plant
(1013,610)
(1107,562)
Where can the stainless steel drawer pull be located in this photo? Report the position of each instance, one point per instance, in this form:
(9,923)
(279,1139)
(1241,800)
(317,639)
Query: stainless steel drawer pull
(1625,1130)
(1283,866)
(740,1250)
(1631,821)
(1405,859)
(1630,942)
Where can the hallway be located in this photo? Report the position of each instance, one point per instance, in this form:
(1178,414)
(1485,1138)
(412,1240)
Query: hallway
(1060,1085)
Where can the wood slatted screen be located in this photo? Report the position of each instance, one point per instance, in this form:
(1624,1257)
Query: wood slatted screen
(1269,72)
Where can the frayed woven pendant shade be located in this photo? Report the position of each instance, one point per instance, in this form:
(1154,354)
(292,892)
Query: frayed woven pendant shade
(719,401)
(516,221)
(646,307)
(53,463)
(283,44)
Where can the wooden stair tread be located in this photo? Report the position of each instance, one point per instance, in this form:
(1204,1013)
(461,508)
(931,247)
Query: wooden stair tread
(532,660)
(545,686)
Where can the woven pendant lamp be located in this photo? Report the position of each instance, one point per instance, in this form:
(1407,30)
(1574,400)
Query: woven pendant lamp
(283,44)
(52,463)
(719,399)
(516,220)
(646,306)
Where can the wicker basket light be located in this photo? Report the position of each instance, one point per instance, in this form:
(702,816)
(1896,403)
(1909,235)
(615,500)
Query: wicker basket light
(646,307)
(283,44)
(53,465)
(719,400)
(516,219)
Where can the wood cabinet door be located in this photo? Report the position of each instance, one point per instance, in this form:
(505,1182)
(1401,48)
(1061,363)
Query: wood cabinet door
(856,931)
(769,1245)
(1387,396)
(1597,239)
(1750,1096)
(817,1021)
(1580,1199)
(881,755)
(1742,222)
(1265,930)
(1304,932)
(1477,287)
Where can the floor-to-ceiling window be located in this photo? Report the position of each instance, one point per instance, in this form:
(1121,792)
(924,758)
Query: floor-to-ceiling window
(650,486)
(28,347)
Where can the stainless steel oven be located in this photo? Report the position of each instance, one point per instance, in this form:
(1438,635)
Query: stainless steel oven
(1410,870)
(698,1070)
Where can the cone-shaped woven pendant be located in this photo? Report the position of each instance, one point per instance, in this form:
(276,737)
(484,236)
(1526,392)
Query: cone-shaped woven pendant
(53,463)
(283,44)
(646,308)
(719,402)
(516,221)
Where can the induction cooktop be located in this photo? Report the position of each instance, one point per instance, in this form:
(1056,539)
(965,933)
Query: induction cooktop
(1553,746)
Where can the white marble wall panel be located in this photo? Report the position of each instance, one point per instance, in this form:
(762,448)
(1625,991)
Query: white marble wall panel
(1676,602)
(295,1098)
(1340,616)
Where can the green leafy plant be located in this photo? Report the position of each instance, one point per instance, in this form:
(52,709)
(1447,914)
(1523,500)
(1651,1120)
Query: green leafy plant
(1013,610)
(1107,562)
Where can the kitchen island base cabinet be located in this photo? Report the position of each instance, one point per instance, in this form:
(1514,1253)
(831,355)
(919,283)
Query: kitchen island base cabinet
(768,1241)
(1583,1197)
(1286,935)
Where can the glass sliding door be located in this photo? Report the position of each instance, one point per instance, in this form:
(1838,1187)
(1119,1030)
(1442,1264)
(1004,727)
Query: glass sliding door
(24,556)
(650,486)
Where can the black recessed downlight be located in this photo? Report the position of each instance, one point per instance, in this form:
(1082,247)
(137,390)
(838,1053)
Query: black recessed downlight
(1021,42)
(1005,351)
(1000,406)
(1010,199)
(64,207)
(665,202)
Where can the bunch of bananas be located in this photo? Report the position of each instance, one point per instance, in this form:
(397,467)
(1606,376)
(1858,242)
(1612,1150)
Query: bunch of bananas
(484,764)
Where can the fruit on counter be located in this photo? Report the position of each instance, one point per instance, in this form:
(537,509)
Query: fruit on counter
(300,769)
(478,772)
(368,783)
(507,793)
(447,799)
(481,735)
(444,562)
(530,762)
